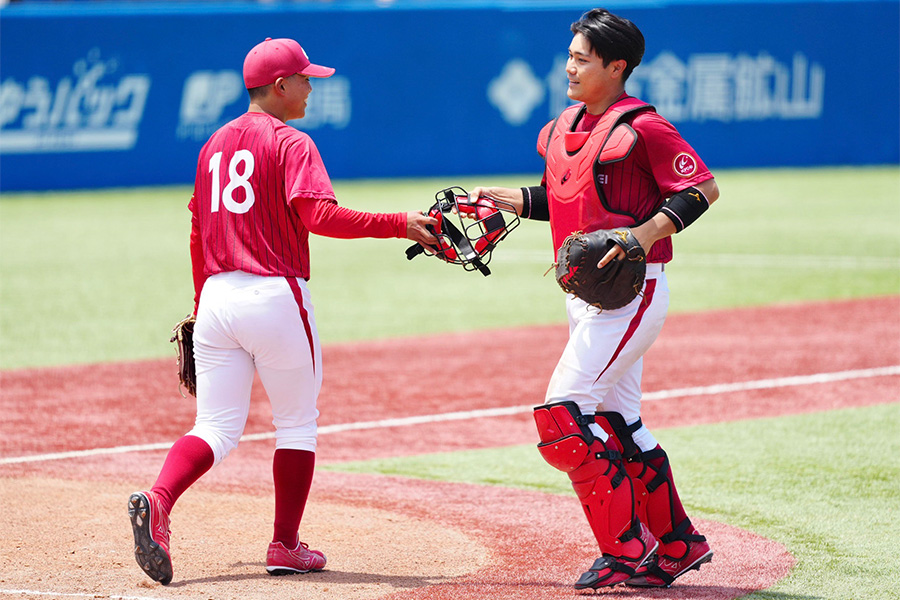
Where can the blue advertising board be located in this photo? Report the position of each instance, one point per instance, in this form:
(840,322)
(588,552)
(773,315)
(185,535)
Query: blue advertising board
(105,94)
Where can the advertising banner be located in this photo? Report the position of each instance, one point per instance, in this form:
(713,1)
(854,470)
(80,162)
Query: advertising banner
(111,94)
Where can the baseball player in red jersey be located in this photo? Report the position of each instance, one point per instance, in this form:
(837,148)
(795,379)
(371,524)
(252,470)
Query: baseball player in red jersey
(612,161)
(260,189)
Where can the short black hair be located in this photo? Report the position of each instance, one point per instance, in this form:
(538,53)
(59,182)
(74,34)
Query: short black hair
(612,38)
(258,92)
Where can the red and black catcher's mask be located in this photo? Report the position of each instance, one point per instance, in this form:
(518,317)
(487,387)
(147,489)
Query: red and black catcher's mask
(469,245)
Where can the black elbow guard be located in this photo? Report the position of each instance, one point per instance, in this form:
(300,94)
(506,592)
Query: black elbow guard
(685,207)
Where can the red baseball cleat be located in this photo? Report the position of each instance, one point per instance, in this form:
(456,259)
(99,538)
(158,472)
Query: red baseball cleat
(151,536)
(608,570)
(665,569)
(282,561)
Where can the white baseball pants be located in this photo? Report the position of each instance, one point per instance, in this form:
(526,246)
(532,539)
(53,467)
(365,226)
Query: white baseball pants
(250,323)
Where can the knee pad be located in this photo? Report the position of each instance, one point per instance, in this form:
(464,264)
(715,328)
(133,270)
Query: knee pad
(568,444)
(565,435)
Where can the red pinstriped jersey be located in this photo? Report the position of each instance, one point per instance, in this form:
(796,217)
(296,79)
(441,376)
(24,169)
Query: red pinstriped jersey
(247,174)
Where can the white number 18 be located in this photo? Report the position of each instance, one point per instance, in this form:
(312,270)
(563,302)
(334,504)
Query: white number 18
(235,180)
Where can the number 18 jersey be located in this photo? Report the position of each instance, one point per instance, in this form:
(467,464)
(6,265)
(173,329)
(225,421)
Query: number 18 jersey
(247,174)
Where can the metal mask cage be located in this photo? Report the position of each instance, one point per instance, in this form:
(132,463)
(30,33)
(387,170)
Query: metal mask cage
(470,244)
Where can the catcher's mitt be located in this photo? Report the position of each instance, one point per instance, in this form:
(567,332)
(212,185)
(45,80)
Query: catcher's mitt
(183,337)
(611,287)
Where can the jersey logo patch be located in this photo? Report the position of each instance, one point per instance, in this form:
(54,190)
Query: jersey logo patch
(684,164)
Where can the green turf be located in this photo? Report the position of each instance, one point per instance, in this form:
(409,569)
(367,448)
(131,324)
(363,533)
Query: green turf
(91,276)
(100,276)
(825,485)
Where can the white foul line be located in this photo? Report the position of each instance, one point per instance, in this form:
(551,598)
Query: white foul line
(709,390)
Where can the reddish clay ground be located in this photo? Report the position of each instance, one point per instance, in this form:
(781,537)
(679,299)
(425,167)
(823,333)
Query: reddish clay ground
(64,523)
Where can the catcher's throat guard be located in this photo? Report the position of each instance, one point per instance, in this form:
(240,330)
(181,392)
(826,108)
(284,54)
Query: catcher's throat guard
(470,245)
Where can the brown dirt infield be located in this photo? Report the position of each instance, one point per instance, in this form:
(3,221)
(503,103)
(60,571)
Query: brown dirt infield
(65,532)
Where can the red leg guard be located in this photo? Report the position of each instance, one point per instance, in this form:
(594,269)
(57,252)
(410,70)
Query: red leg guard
(614,425)
(682,548)
(651,473)
(641,495)
(598,476)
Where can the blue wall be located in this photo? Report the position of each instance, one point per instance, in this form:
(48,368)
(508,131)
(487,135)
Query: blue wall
(108,94)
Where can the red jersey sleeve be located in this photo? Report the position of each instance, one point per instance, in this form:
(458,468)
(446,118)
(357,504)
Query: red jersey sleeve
(675,164)
(328,219)
(304,174)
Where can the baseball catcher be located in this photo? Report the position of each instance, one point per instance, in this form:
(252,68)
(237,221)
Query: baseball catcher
(618,170)
(183,338)
(468,245)
(608,288)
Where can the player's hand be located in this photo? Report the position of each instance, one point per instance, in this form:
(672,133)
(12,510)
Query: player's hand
(647,234)
(615,253)
(512,196)
(416,227)
(473,206)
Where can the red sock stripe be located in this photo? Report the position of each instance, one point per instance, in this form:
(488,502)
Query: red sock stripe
(304,315)
(635,322)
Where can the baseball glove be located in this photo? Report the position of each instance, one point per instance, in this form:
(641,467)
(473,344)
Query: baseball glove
(613,286)
(183,338)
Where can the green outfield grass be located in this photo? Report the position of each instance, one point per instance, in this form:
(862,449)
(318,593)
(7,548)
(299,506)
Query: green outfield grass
(823,484)
(102,275)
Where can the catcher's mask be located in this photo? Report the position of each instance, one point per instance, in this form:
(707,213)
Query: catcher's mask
(469,245)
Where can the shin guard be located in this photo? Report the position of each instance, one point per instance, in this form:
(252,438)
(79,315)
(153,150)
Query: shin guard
(598,476)
(660,504)
(681,547)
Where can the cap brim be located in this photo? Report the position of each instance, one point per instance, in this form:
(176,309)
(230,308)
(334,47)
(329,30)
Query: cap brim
(317,71)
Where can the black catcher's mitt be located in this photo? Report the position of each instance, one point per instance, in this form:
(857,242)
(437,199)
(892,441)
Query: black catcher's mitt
(183,338)
(611,287)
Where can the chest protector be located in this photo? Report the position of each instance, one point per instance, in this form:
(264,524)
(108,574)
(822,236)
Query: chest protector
(573,161)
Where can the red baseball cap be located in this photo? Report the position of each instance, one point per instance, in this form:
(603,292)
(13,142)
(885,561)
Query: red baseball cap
(282,57)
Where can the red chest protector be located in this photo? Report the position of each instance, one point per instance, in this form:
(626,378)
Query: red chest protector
(573,160)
